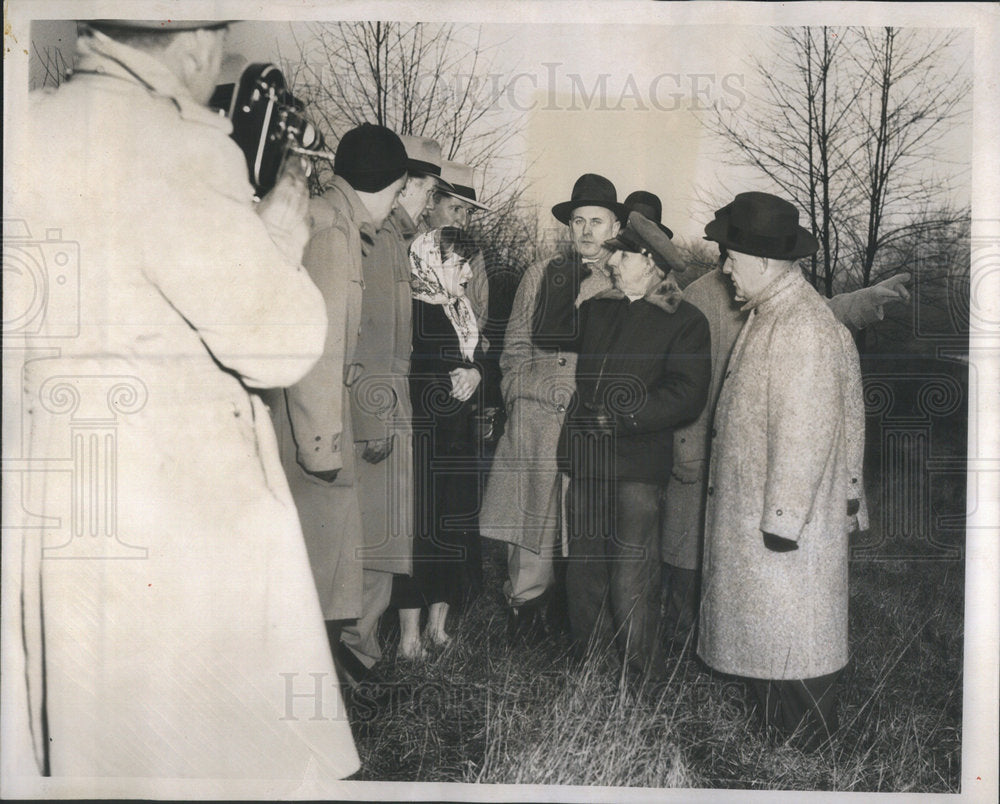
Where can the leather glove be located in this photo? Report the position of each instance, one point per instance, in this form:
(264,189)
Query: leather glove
(779,544)
(377,450)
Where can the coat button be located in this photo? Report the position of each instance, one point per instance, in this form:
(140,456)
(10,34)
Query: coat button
(561,408)
(778,512)
(683,440)
(727,374)
(711,490)
(714,432)
(562,361)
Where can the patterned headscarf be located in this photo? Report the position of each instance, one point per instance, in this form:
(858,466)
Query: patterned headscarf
(437,280)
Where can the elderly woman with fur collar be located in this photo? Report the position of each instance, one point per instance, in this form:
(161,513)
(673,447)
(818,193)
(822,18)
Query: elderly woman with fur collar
(644,368)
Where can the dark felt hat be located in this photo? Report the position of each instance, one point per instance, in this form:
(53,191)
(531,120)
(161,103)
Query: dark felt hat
(590,190)
(370,158)
(641,234)
(763,225)
(648,205)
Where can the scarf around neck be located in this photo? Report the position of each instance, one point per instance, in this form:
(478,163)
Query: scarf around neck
(427,284)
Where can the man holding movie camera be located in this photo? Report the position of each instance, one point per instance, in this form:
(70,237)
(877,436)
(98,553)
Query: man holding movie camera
(163,612)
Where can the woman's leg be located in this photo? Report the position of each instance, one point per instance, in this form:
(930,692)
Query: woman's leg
(438,614)
(410,645)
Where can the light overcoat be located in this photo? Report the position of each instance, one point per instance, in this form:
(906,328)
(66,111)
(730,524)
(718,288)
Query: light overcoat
(380,398)
(788,435)
(521,503)
(156,586)
(684,509)
(313,417)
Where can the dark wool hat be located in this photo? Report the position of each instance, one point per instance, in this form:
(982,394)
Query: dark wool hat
(649,206)
(644,236)
(762,225)
(590,190)
(370,158)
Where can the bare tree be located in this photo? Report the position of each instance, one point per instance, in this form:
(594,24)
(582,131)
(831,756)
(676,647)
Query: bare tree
(904,116)
(432,80)
(424,79)
(797,133)
(849,126)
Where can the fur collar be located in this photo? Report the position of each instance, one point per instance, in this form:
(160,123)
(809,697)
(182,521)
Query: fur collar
(665,294)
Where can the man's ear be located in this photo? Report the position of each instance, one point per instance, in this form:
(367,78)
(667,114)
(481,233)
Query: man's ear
(191,52)
(616,227)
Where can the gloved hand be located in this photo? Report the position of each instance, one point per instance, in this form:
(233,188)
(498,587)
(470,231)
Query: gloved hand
(779,544)
(285,211)
(377,450)
(865,306)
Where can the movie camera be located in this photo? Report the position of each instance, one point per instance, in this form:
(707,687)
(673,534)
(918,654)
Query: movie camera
(268,123)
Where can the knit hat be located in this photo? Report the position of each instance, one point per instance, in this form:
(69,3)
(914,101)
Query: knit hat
(370,158)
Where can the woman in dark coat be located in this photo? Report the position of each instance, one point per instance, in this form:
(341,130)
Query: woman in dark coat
(446,382)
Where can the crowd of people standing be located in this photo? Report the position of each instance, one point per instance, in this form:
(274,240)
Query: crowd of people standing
(307,454)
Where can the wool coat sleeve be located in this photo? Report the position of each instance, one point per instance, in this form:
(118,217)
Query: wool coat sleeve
(854,429)
(316,402)
(682,390)
(478,290)
(519,357)
(257,313)
(804,420)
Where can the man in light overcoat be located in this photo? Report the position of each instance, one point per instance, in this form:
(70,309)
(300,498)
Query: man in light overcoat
(313,418)
(784,480)
(525,491)
(158,603)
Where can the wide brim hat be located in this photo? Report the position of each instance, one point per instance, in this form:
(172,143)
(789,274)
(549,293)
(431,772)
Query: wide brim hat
(590,190)
(423,157)
(459,178)
(640,234)
(649,206)
(159,25)
(762,225)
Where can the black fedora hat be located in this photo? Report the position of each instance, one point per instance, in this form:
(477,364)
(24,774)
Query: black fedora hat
(649,206)
(763,225)
(643,235)
(590,190)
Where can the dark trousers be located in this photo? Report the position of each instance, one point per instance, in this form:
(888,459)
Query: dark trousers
(681,590)
(804,709)
(613,572)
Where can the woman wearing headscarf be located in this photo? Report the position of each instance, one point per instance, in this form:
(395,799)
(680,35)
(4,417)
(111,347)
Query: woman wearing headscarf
(446,382)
